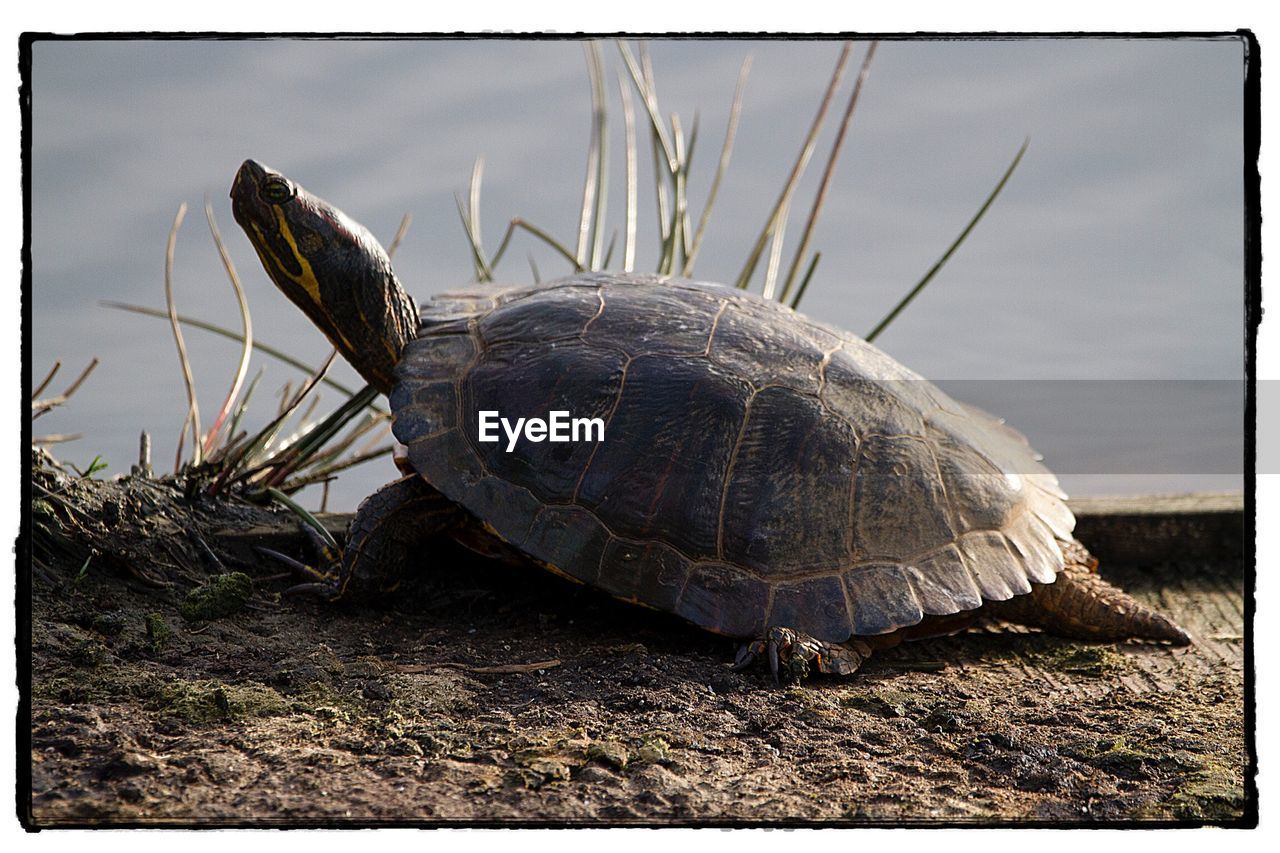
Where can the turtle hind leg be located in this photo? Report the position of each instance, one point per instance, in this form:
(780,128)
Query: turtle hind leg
(1082,606)
(794,655)
(384,537)
(387,533)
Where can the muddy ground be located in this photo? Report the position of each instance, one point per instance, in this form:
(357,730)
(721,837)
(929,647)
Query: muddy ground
(170,686)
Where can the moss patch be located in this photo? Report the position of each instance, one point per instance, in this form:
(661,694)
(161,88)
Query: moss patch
(195,701)
(158,631)
(220,596)
(653,750)
(1208,796)
(882,703)
(1122,759)
(211,701)
(1092,661)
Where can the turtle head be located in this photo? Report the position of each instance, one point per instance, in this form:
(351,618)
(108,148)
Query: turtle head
(330,266)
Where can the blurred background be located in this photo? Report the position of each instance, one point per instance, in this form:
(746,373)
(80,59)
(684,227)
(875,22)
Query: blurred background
(1098,306)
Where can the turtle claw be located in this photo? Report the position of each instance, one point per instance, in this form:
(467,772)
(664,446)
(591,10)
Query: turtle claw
(299,568)
(746,656)
(326,553)
(778,647)
(793,655)
(284,559)
(329,590)
(320,584)
(324,585)
(749,653)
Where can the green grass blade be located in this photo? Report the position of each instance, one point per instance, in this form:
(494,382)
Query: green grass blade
(946,256)
(587,212)
(648,97)
(542,235)
(600,138)
(665,165)
(234,428)
(483,270)
(804,282)
(301,453)
(258,345)
(686,218)
(306,517)
(321,475)
(775,251)
(660,192)
(675,245)
(478,262)
(243,465)
(608,255)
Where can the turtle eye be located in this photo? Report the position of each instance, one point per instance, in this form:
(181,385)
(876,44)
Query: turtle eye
(276,190)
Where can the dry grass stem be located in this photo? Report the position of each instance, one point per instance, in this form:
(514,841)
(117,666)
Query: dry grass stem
(40,407)
(797,170)
(246,330)
(629,122)
(53,371)
(821,196)
(56,438)
(726,152)
(193,405)
(405,222)
(258,345)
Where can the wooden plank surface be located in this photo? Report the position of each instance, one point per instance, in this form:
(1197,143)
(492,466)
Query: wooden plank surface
(1142,530)
(1162,528)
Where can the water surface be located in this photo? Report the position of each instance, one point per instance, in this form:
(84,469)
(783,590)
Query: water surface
(1116,252)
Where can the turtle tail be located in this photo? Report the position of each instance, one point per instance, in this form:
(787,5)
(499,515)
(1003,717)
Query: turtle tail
(1082,606)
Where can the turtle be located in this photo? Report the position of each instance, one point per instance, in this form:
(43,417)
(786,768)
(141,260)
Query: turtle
(759,474)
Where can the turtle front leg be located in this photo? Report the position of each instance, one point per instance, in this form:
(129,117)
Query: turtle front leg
(795,655)
(383,539)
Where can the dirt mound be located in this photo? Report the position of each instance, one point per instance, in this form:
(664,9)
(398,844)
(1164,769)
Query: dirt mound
(171,683)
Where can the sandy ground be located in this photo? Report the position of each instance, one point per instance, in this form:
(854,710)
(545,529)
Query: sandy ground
(167,688)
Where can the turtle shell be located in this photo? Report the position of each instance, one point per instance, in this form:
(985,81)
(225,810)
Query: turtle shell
(758,469)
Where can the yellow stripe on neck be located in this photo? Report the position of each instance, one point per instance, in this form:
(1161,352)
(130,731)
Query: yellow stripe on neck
(307,279)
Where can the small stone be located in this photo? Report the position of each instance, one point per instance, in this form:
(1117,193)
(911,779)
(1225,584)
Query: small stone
(130,793)
(404,746)
(608,752)
(108,624)
(375,690)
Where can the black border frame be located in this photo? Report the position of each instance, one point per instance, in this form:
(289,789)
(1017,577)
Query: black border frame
(1252,317)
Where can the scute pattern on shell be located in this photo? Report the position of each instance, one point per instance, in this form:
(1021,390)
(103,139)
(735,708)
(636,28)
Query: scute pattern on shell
(758,468)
